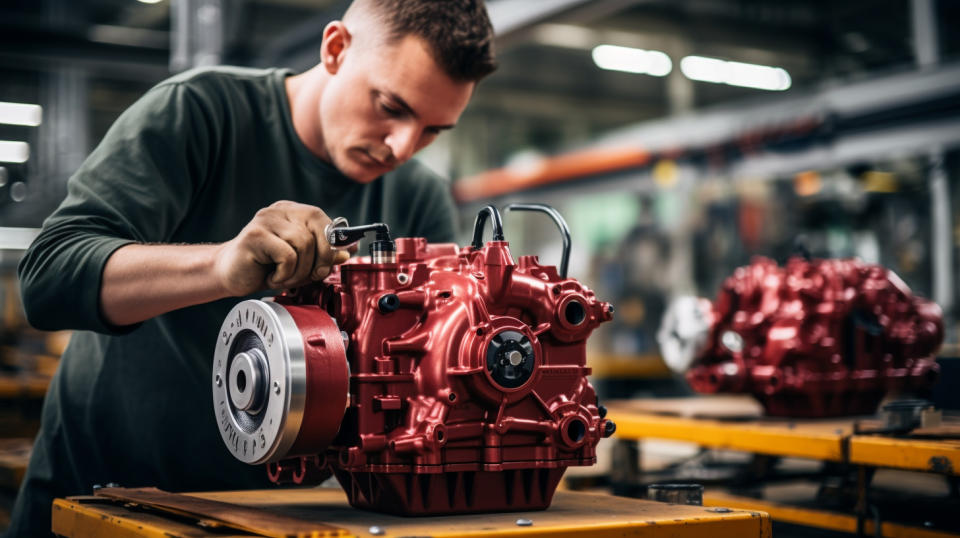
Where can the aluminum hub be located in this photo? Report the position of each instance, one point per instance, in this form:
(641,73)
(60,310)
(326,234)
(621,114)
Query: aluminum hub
(259,381)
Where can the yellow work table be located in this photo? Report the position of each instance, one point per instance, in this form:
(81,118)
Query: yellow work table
(841,440)
(324,512)
(736,423)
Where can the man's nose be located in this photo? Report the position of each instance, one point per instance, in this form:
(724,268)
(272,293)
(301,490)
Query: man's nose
(402,142)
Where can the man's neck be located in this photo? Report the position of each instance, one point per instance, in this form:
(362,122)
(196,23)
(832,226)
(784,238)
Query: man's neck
(303,94)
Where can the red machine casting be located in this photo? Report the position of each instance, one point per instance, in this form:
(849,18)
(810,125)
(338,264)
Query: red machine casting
(815,338)
(429,379)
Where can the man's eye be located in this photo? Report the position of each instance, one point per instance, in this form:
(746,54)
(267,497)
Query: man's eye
(391,111)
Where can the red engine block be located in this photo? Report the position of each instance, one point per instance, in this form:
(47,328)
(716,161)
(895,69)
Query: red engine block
(445,381)
(814,338)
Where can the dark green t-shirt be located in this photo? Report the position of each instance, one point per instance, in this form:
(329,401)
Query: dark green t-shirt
(190,162)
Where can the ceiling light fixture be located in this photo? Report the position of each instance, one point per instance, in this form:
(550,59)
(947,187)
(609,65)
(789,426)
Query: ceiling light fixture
(20,114)
(14,152)
(746,75)
(631,60)
(149,1)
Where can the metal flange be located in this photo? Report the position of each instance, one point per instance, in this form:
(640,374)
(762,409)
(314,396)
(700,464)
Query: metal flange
(264,371)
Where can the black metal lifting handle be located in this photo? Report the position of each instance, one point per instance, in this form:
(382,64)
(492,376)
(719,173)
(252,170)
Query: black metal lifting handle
(495,221)
(558,220)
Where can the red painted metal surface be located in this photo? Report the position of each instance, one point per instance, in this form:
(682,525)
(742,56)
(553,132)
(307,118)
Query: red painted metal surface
(818,338)
(468,381)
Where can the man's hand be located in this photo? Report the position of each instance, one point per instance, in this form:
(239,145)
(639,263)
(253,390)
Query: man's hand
(282,247)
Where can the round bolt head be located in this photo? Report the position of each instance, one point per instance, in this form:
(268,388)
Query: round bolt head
(218,380)
(720,510)
(524,522)
(609,428)
(377,531)
(515,357)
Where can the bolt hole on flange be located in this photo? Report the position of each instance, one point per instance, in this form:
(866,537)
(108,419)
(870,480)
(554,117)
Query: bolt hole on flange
(575,313)
(453,397)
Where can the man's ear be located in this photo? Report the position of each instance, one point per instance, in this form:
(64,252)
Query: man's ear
(336,39)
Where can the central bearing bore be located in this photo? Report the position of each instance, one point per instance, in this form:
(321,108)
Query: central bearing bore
(248,380)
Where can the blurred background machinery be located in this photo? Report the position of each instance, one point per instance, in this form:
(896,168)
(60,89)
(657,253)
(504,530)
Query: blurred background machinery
(679,138)
(814,338)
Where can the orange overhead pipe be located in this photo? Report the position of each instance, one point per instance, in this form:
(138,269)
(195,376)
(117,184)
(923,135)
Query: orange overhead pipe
(548,171)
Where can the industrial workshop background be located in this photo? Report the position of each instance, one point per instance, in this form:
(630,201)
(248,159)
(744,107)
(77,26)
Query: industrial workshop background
(680,139)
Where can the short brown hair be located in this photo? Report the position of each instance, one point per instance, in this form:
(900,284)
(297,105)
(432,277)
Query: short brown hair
(458,32)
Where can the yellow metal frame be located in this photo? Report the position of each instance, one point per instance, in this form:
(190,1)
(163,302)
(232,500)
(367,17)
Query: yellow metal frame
(820,519)
(24,386)
(832,440)
(931,455)
(627,366)
(571,514)
(75,518)
(821,440)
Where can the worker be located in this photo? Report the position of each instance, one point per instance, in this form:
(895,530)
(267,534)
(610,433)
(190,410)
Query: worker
(213,188)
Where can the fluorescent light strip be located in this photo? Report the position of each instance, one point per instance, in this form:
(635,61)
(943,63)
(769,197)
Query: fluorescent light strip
(20,114)
(14,152)
(630,60)
(746,75)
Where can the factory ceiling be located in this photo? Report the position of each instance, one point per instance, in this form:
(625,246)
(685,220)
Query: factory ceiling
(548,79)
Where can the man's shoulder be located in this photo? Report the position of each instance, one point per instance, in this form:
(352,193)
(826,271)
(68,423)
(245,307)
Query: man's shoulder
(222,92)
(219,75)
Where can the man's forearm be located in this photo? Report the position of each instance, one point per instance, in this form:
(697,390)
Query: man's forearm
(284,246)
(143,281)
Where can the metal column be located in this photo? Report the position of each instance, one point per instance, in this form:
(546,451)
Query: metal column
(197,36)
(927,54)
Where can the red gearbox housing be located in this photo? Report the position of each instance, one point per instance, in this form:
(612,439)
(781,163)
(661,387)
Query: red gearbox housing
(429,379)
(816,338)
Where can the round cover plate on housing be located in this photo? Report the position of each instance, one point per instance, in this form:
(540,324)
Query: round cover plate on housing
(265,368)
(510,359)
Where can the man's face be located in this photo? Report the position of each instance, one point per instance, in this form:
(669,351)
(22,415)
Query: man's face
(384,103)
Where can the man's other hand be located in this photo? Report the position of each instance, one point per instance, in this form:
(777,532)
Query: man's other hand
(282,247)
